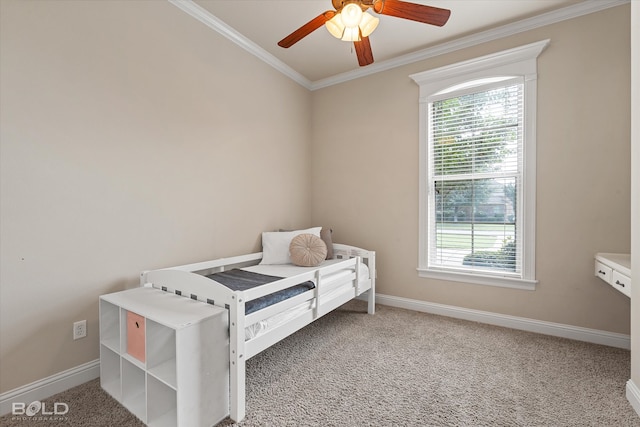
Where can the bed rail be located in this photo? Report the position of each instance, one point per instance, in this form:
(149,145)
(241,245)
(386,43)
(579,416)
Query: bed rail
(189,285)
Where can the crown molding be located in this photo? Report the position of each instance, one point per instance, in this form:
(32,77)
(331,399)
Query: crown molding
(211,21)
(569,12)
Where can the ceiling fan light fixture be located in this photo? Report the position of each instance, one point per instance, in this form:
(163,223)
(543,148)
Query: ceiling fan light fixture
(363,28)
(350,21)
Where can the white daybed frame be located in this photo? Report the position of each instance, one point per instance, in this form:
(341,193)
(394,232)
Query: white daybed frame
(190,281)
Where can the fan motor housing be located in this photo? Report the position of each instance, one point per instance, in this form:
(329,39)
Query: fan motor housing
(364,4)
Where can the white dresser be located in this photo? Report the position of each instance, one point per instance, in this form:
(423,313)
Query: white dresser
(615,269)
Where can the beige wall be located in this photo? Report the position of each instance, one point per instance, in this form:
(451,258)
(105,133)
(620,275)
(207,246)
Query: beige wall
(365,173)
(133,137)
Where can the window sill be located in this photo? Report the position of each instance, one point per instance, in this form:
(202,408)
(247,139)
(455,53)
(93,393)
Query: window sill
(478,279)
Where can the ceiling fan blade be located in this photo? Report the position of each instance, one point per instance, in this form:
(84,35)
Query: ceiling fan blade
(306,29)
(363,51)
(413,11)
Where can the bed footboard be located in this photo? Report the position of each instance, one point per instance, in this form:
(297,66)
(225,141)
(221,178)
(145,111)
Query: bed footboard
(369,258)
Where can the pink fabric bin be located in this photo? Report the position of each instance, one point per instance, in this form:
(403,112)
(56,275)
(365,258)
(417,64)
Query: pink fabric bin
(135,336)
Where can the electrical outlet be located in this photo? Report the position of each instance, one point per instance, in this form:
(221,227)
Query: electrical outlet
(79,329)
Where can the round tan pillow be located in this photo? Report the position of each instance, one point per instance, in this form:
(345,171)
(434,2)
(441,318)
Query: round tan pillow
(307,250)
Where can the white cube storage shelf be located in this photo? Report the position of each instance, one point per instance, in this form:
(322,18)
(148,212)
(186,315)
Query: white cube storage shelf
(183,378)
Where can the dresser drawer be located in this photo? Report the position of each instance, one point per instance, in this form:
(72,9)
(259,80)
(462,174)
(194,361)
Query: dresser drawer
(621,282)
(603,272)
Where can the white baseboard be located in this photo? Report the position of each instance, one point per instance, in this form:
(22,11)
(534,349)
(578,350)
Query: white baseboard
(47,387)
(595,336)
(633,395)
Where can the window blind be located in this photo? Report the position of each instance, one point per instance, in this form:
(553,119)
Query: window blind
(475,176)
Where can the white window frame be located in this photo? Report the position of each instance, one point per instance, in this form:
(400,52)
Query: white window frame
(517,62)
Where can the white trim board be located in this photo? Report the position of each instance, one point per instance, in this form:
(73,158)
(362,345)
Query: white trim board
(47,387)
(594,336)
(633,396)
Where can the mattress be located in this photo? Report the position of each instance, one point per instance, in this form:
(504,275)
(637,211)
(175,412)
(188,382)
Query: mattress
(288,270)
(241,280)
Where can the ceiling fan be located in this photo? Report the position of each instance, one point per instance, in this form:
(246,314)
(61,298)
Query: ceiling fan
(351,22)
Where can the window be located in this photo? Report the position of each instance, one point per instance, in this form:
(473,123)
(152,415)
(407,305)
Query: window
(477,169)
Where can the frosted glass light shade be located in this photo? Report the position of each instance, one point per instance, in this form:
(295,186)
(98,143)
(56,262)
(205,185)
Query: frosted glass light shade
(351,34)
(368,24)
(351,15)
(335,26)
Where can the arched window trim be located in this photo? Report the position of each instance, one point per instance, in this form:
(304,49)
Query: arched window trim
(522,62)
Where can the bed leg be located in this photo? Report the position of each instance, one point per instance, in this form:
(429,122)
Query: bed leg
(237,402)
(371,309)
(237,368)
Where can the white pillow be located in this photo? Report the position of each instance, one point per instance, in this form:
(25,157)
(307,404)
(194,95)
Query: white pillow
(275,245)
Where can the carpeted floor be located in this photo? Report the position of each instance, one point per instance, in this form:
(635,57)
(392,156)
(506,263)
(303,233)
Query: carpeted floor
(403,368)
